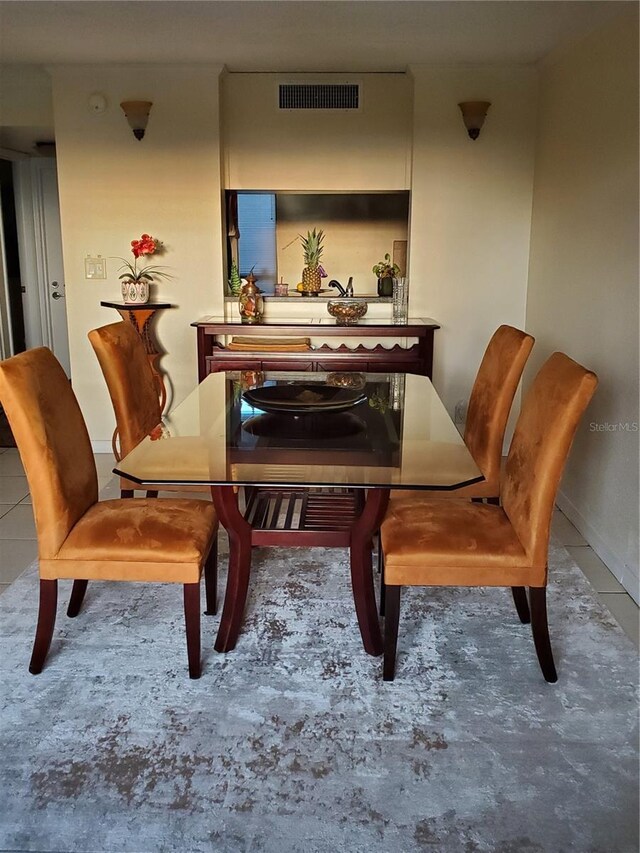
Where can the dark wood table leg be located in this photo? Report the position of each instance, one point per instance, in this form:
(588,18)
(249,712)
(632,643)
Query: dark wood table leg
(425,352)
(362,571)
(225,501)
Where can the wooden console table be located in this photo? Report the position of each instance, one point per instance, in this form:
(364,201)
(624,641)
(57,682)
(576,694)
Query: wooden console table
(213,355)
(140,317)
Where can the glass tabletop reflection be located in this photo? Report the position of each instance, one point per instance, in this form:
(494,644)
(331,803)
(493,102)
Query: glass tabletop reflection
(363,430)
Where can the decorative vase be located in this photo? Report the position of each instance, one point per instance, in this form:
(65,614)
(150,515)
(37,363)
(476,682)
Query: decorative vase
(135,292)
(385,286)
(250,303)
(400,300)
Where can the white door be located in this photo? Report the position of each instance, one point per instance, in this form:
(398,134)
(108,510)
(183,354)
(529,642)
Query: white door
(6,342)
(40,246)
(55,304)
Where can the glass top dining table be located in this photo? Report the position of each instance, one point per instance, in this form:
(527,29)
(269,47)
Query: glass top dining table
(317,455)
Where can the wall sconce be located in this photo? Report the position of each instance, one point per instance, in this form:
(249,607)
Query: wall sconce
(473,115)
(137,113)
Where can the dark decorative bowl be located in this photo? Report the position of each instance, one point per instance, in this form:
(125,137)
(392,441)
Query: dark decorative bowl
(294,399)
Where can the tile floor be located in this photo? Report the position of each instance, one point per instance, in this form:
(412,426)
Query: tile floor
(18,548)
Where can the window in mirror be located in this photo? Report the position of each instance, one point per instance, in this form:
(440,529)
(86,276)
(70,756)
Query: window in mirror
(256,240)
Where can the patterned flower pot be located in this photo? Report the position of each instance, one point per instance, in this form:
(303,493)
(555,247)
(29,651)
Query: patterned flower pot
(135,292)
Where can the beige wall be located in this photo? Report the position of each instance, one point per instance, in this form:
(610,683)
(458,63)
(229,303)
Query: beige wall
(113,188)
(272,149)
(583,284)
(25,97)
(471,212)
(356,235)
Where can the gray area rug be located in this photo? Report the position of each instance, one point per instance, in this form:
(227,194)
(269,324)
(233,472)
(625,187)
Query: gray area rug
(293,743)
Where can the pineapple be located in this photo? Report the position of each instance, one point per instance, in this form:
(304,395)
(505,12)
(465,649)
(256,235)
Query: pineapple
(312,249)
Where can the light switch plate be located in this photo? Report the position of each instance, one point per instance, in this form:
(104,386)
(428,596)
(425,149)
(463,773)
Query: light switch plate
(95,267)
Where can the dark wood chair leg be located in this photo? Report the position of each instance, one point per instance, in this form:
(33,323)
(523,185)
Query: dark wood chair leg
(494,501)
(540,629)
(522,605)
(126,493)
(77,597)
(391,620)
(211,580)
(192,625)
(46,624)
(151,493)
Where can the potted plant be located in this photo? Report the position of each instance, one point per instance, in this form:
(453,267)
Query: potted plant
(136,280)
(235,282)
(385,272)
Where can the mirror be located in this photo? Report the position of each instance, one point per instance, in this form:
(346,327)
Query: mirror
(360,228)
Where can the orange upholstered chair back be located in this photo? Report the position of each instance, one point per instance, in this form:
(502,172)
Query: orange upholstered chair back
(130,380)
(54,445)
(492,396)
(541,442)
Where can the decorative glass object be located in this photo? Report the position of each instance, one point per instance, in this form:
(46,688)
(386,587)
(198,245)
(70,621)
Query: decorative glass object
(347,380)
(346,313)
(400,300)
(251,303)
(396,391)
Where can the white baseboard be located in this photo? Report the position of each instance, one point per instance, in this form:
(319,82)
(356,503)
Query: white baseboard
(623,572)
(101,447)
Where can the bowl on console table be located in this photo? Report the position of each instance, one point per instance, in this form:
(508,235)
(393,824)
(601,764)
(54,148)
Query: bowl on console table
(346,311)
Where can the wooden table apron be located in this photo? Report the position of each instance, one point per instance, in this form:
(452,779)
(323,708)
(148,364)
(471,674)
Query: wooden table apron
(242,537)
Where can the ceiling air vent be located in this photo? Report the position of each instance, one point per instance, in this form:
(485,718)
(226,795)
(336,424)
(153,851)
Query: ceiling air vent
(319,96)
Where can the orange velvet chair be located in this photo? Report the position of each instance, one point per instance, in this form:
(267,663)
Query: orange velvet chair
(488,412)
(431,542)
(81,538)
(132,387)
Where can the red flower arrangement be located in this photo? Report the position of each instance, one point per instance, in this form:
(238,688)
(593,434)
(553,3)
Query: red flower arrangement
(146,245)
